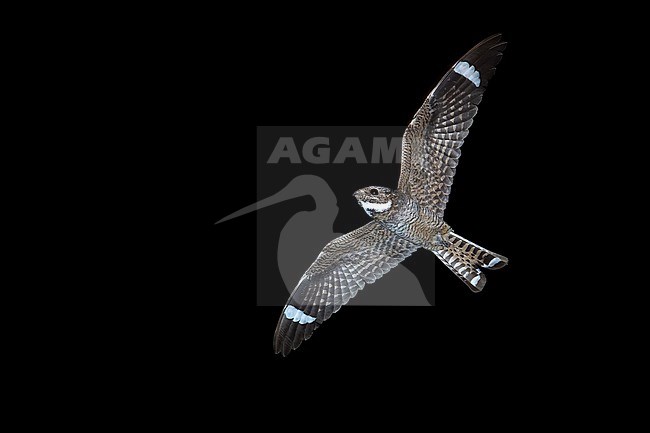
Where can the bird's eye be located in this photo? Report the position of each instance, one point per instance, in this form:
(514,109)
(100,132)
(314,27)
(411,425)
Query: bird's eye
(374,192)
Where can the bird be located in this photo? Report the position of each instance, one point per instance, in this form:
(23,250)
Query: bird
(406,218)
(313,229)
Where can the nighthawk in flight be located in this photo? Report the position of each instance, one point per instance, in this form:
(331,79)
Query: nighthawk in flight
(406,218)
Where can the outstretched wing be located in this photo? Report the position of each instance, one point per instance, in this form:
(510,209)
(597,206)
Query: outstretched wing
(343,268)
(432,141)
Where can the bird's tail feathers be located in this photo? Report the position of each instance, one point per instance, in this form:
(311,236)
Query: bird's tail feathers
(465,259)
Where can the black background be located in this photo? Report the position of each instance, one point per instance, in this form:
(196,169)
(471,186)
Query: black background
(512,193)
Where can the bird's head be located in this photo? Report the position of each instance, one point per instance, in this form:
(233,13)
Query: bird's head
(375,200)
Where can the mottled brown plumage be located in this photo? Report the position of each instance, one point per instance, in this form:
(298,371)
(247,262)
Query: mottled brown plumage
(408,218)
(343,268)
(432,141)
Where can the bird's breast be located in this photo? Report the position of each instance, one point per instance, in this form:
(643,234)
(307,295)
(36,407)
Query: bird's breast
(414,223)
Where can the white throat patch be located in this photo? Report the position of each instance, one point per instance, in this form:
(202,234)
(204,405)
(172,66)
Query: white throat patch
(376,207)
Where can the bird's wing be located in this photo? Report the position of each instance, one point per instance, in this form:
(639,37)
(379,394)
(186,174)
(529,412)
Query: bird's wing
(432,141)
(344,267)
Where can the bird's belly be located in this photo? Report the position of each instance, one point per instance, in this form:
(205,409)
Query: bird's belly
(414,228)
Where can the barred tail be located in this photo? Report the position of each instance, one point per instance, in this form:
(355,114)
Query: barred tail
(465,259)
